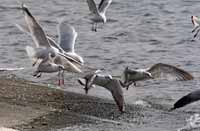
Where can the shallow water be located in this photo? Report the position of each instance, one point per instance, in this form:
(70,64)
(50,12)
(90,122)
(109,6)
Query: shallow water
(138,34)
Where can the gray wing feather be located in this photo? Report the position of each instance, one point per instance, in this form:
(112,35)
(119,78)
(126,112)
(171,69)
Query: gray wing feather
(160,69)
(67,36)
(27,31)
(116,90)
(36,31)
(104,5)
(23,28)
(92,6)
(54,44)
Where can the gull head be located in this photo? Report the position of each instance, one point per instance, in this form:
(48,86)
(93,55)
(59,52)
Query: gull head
(61,67)
(147,75)
(195,21)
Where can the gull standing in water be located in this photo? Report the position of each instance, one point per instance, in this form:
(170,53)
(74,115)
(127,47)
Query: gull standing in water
(113,85)
(187,99)
(99,14)
(51,55)
(156,71)
(195,22)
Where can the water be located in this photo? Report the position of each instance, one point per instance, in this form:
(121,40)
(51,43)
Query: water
(138,34)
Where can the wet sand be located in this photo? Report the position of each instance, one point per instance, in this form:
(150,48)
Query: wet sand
(28,106)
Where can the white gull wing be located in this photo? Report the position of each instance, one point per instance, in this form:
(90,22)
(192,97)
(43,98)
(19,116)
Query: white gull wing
(36,31)
(92,6)
(161,70)
(104,4)
(67,36)
(68,65)
(25,29)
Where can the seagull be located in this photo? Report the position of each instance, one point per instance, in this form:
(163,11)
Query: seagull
(113,85)
(46,64)
(156,71)
(98,13)
(67,37)
(45,47)
(195,22)
(187,99)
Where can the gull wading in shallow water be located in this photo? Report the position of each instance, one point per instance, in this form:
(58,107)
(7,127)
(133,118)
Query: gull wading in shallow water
(195,22)
(113,85)
(47,51)
(187,99)
(99,14)
(156,71)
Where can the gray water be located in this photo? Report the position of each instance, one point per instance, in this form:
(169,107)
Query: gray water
(139,33)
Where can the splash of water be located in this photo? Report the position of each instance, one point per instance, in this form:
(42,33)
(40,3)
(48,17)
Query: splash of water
(192,123)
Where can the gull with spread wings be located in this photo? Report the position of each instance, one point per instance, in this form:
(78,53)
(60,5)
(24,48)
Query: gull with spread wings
(47,51)
(113,85)
(159,70)
(99,14)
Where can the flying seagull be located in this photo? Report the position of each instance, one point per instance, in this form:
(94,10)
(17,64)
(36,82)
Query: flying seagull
(113,85)
(159,70)
(46,64)
(187,99)
(195,22)
(45,48)
(67,37)
(98,13)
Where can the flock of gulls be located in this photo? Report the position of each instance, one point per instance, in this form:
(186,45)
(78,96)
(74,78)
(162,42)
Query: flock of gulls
(49,56)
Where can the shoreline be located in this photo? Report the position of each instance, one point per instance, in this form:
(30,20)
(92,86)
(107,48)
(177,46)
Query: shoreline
(26,106)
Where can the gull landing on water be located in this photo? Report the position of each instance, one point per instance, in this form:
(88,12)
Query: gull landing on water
(156,71)
(113,85)
(98,13)
(195,22)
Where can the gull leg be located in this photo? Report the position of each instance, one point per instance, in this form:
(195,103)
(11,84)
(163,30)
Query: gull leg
(81,83)
(129,85)
(95,27)
(62,81)
(59,75)
(195,35)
